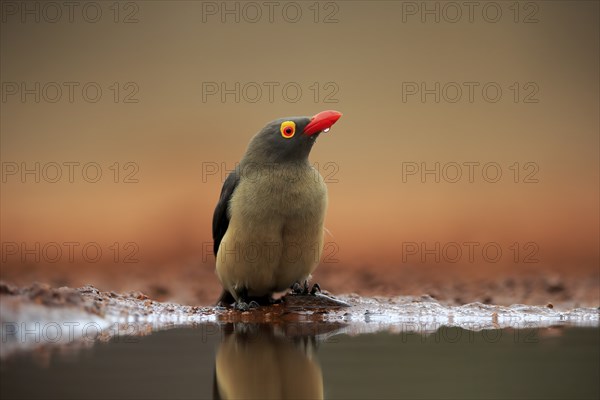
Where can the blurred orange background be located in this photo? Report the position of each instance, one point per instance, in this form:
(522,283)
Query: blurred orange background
(364,58)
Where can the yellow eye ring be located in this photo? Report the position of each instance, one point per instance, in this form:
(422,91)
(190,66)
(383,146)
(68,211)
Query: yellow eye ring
(288,129)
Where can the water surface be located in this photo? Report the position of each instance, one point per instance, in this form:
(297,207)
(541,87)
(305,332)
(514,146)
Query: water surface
(309,361)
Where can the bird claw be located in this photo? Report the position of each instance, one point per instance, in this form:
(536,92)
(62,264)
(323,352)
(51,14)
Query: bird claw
(303,290)
(243,306)
(315,289)
(298,289)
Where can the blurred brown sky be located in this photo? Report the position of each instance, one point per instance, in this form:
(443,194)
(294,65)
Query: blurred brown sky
(366,59)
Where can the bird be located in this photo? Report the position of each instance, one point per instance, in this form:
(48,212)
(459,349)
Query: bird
(268,224)
(257,361)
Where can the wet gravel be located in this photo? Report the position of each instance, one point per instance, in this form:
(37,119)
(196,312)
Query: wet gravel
(134,313)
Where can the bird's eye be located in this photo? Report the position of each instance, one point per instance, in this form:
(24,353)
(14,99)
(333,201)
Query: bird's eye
(288,128)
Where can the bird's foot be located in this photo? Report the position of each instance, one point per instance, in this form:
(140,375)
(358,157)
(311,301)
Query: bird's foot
(243,306)
(303,290)
(298,289)
(253,304)
(315,289)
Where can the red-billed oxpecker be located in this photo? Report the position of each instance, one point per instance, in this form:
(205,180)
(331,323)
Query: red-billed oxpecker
(268,224)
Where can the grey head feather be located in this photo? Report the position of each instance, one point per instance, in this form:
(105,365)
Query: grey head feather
(269,146)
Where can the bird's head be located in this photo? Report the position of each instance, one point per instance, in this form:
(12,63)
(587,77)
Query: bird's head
(290,139)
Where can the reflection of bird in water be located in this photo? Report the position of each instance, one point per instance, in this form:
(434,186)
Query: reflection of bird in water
(254,362)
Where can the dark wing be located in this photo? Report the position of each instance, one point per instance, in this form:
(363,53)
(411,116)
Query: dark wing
(221,216)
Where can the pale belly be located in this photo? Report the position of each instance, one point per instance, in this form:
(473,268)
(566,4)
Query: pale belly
(268,247)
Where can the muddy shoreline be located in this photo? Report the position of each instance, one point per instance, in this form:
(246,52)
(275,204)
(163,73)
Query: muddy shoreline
(39,317)
(190,283)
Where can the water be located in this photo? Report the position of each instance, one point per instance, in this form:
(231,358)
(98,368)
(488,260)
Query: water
(314,360)
(402,347)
